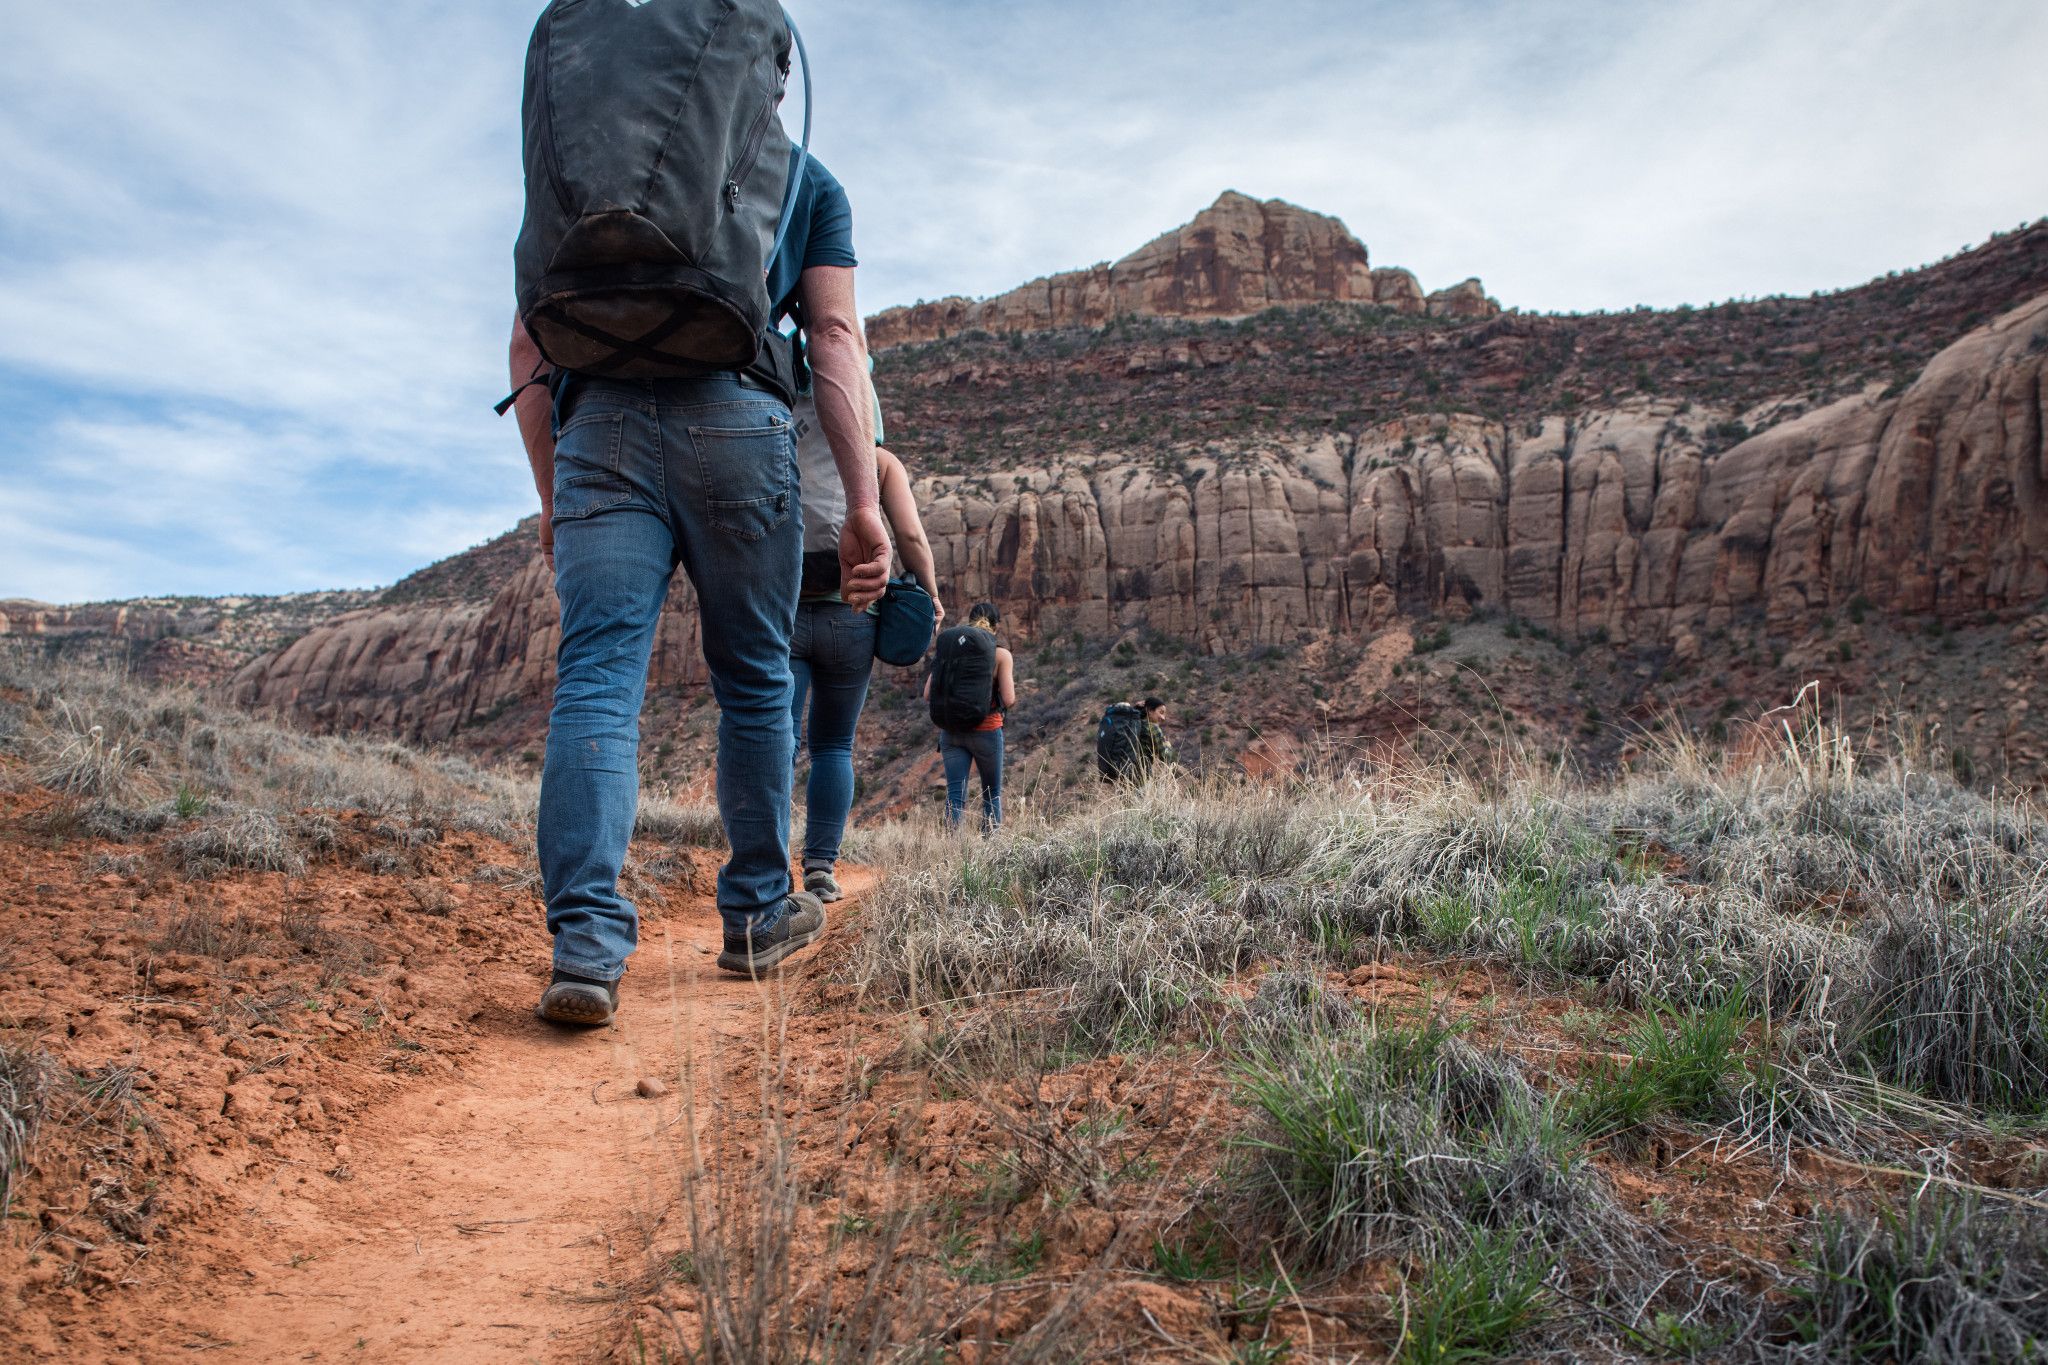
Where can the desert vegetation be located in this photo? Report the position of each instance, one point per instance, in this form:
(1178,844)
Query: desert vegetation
(1739,1058)
(1731,1055)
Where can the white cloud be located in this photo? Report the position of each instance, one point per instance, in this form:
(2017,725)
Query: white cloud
(1577,155)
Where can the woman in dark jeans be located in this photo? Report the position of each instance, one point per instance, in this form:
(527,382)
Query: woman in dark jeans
(832,651)
(981,748)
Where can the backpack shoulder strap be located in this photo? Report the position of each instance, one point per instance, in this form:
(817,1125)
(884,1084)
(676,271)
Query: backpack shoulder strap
(803,154)
(505,405)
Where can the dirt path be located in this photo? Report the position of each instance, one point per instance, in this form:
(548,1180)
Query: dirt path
(499,1214)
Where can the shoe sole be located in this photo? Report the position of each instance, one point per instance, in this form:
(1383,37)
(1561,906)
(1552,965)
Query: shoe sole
(580,1006)
(769,958)
(825,898)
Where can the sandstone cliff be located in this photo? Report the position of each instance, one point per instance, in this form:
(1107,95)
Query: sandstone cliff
(201,640)
(1240,255)
(1627,522)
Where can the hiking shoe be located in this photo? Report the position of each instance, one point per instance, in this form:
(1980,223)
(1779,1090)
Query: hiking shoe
(820,882)
(578,1000)
(758,951)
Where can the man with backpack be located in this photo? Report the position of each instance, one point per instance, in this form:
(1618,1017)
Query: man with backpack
(1131,741)
(670,224)
(972,682)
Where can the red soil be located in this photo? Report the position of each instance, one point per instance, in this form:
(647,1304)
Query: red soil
(361,1145)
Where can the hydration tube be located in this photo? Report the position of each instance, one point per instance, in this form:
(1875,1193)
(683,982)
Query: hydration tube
(803,156)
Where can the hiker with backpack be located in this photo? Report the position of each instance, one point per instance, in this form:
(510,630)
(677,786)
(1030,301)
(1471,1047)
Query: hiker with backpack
(833,649)
(670,225)
(1131,741)
(972,682)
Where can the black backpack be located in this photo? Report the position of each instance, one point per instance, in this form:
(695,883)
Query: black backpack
(963,678)
(1117,742)
(658,184)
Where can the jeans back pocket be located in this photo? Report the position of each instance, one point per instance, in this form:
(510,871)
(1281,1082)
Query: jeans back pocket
(748,477)
(588,478)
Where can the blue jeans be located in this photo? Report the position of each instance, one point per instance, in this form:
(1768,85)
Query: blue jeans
(649,475)
(831,654)
(984,750)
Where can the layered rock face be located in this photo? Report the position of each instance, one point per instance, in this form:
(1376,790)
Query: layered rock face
(1239,256)
(195,640)
(1932,501)
(123,620)
(1624,520)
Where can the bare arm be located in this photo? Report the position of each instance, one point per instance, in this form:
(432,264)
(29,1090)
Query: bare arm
(846,410)
(534,410)
(899,505)
(1006,679)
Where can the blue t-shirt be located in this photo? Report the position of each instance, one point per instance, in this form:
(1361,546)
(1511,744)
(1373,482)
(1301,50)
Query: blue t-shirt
(820,233)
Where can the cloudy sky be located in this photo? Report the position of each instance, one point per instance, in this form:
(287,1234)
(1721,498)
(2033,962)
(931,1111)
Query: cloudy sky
(255,254)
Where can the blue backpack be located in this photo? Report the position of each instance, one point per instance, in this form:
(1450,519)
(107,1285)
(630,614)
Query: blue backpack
(903,622)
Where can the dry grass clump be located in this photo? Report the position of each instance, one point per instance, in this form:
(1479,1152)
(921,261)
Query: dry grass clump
(1405,1137)
(1953,1002)
(204,931)
(1889,927)
(682,824)
(1941,1278)
(1125,919)
(78,757)
(26,1079)
(241,837)
(757,1298)
(138,758)
(1398,1141)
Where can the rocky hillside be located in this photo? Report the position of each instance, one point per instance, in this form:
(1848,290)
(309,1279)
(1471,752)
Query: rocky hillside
(201,640)
(207,640)
(1239,256)
(1556,531)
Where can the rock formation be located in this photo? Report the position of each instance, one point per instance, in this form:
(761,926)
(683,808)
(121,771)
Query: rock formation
(1624,521)
(124,620)
(1239,256)
(1466,299)
(199,640)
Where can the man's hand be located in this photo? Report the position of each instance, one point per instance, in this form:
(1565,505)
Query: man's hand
(863,557)
(547,530)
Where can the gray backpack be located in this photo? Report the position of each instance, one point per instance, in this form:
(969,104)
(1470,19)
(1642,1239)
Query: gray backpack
(659,183)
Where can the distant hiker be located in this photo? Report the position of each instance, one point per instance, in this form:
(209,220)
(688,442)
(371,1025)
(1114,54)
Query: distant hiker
(670,225)
(832,651)
(972,682)
(1131,741)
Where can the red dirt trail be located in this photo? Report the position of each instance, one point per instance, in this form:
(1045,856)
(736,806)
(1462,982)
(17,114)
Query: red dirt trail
(503,1215)
(317,1159)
